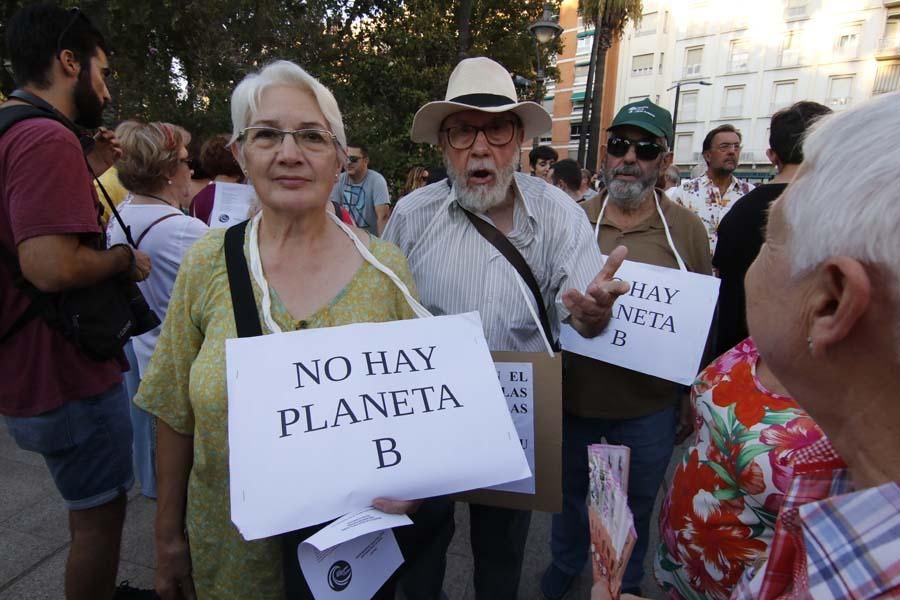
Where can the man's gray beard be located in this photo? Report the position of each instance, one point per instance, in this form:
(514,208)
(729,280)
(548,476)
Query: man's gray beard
(627,195)
(481,198)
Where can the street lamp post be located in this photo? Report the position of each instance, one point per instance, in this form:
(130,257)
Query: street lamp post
(677,88)
(544,30)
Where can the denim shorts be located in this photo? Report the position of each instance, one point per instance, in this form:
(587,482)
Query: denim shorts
(86,444)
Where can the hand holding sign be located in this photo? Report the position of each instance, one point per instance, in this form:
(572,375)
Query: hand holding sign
(592,310)
(397,507)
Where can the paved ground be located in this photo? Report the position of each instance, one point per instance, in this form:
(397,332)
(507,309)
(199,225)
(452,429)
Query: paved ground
(34,539)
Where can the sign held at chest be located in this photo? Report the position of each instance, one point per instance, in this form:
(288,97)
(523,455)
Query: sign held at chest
(659,327)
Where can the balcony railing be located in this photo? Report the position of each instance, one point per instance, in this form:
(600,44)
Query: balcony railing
(795,12)
(642,72)
(789,58)
(692,71)
(838,103)
(890,46)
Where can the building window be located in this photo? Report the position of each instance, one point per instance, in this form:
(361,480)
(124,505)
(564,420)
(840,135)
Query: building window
(887,79)
(733,104)
(738,56)
(791,49)
(684,146)
(545,138)
(782,95)
(687,106)
(581,74)
(840,92)
(577,107)
(575,132)
(693,61)
(584,44)
(795,9)
(662,60)
(648,24)
(891,39)
(846,44)
(642,65)
(548,104)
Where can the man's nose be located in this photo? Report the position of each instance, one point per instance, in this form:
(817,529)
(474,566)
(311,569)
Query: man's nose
(480,145)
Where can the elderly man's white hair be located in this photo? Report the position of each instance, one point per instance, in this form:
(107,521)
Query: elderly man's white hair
(845,200)
(246,96)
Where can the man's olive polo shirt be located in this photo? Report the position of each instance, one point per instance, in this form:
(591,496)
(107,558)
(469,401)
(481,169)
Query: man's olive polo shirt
(594,389)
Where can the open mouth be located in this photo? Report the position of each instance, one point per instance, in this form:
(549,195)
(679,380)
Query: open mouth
(480,176)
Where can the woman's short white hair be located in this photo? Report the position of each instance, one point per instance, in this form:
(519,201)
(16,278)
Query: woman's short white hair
(845,199)
(246,96)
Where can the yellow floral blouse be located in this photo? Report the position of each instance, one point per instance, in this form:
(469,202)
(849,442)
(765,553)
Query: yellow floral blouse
(185,387)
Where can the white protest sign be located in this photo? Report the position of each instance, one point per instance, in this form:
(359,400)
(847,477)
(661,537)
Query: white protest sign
(323,421)
(659,327)
(517,383)
(231,204)
(353,570)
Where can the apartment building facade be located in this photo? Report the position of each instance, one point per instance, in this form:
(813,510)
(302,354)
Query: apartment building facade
(738,63)
(565,96)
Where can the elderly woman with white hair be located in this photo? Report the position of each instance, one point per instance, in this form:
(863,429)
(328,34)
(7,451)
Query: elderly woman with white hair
(289,139)
(823,305)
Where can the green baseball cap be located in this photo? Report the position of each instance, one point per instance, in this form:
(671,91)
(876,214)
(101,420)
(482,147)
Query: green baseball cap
(645,115)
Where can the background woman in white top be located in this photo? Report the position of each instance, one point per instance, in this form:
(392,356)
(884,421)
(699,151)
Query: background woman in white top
(154,169)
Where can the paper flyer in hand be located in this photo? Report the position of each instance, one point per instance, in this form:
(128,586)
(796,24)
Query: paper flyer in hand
(352,557)
(611,522)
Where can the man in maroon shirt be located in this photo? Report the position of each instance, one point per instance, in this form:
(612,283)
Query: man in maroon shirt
(55,400)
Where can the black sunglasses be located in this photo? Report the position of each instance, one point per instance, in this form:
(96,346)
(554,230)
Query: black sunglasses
(643,149)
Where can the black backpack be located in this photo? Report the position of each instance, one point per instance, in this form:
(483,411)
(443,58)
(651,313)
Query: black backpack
(98,319)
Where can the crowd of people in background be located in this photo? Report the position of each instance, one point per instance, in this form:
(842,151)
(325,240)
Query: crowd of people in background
(789,483)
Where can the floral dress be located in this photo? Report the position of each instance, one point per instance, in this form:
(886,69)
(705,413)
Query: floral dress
(185,387)
(719,514)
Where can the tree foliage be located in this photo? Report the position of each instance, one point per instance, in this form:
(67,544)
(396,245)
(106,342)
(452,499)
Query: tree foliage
(179,60)
(609,19)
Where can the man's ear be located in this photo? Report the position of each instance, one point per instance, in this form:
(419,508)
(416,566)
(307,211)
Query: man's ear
(841,296)
(666,161)
(69,64)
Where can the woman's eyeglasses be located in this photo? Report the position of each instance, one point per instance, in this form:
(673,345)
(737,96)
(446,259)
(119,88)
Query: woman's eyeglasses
(643,149)
(270,138)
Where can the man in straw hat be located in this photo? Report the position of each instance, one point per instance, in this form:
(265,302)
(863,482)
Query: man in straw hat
(480,127)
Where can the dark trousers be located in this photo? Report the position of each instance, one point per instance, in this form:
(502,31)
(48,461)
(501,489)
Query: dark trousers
(498,538)
(651,439)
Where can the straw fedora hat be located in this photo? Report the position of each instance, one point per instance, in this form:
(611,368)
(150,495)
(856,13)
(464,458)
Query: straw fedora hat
(478,84)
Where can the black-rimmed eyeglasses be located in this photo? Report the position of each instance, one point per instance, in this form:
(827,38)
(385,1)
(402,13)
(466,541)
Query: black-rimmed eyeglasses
(497,133)
(270,138)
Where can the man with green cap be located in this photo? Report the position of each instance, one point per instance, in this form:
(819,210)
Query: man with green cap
(601,400)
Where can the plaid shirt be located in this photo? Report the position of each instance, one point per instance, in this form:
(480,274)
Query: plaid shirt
(830,543)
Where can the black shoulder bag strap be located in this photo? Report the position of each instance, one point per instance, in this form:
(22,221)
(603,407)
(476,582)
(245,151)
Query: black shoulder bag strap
(246,317)
(515,258)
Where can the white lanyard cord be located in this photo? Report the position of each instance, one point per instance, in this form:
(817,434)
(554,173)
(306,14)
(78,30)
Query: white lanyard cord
(256,271)
(529,298)
(665,223)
